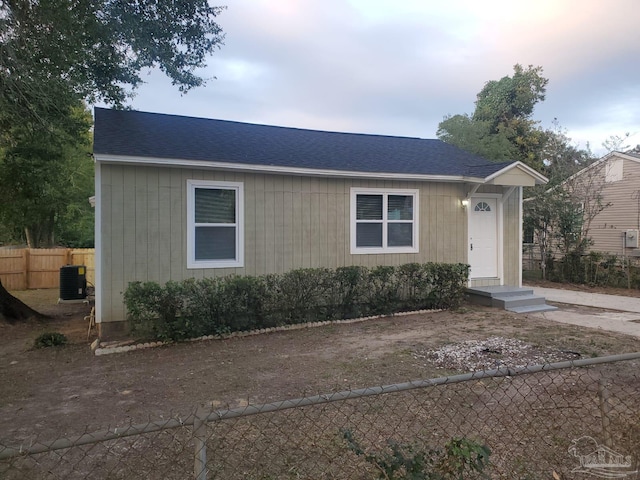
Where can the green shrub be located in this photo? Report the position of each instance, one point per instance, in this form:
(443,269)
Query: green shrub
(50,339)
(215,306)
(595,269)
(461,458)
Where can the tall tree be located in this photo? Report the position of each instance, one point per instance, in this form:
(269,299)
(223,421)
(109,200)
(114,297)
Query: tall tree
(475,136)
(501,126)
(57,50)
(511,98)
(47,179)
(561,157)
(56,53)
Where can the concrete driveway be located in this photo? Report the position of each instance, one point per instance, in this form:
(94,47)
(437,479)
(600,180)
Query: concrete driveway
(615,313)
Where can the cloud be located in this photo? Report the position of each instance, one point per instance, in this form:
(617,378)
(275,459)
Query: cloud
(388,67)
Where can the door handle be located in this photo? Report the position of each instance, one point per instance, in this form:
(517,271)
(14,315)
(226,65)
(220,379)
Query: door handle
(472,247)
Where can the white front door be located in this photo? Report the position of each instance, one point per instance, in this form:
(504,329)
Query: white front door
(483,237)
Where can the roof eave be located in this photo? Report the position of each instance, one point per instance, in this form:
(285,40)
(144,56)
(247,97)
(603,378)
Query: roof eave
(283,170)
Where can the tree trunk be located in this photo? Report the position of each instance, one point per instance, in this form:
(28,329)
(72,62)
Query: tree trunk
(27,236)
(13,310)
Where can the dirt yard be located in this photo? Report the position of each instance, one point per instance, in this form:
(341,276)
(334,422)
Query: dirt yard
(54,392)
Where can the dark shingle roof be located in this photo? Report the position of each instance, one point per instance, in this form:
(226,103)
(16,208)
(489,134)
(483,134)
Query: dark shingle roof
(140,134)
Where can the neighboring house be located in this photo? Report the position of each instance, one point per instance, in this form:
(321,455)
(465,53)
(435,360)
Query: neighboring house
(181,197)
(615,229)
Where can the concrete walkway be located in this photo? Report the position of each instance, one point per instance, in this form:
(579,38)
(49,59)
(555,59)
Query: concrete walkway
(625,318)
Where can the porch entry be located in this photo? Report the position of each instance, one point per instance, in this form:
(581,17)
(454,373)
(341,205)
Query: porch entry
(483,237)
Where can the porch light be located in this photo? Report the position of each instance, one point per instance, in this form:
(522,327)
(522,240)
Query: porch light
(464,202)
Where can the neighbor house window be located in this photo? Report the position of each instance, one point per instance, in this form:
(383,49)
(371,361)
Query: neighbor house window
(384,221)
(215,236)
(614,170)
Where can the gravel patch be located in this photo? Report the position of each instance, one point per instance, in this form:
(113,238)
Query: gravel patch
(494,352)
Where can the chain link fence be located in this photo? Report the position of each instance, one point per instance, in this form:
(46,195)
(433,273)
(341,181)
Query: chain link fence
(566,420)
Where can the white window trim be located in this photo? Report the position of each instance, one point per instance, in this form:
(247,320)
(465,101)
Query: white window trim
(191,225)
(355,191)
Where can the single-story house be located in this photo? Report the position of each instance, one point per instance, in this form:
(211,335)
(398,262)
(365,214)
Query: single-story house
(181,197)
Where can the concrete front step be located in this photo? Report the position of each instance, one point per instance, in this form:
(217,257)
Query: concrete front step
(532,309)
(499,291)
(513,299)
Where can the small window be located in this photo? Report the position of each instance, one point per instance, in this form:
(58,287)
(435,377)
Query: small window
(614,170)
(215,224)
(384,221)
(528,234)
(482,207)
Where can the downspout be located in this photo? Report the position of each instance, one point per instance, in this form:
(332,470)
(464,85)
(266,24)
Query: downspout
(626,268)
(98,245)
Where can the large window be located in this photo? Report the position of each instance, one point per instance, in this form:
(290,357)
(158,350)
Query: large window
(215,224)
(384,221)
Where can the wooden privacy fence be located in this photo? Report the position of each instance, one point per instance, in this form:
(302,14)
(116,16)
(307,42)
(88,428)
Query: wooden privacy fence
(31,268)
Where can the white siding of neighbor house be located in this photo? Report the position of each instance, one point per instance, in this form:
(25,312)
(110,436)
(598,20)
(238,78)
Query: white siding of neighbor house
(290,222)
(608,227)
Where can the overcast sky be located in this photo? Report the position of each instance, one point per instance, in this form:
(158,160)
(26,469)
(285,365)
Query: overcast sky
(397,67)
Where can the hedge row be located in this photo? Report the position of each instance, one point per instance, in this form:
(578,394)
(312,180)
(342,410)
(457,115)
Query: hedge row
(216,306)
(596,269)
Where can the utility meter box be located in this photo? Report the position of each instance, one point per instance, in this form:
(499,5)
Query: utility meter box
(631,239)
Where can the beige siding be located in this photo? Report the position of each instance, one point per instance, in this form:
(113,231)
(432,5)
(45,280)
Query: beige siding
(290,222)
(607,228)
(515,177)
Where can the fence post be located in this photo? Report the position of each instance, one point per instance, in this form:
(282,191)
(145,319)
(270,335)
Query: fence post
(603,394)
(200,441)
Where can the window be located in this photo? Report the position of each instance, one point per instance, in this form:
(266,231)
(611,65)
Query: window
(528,234)
(215,224)
(482,207)
(614,170)
(384,221)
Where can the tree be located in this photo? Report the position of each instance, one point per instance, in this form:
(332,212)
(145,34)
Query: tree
(561,215)
(47,179)
(560,157)
(617,143)
(54,54)
(63,50)
(501,126)
(12,309)
(511,98)
(474,136)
